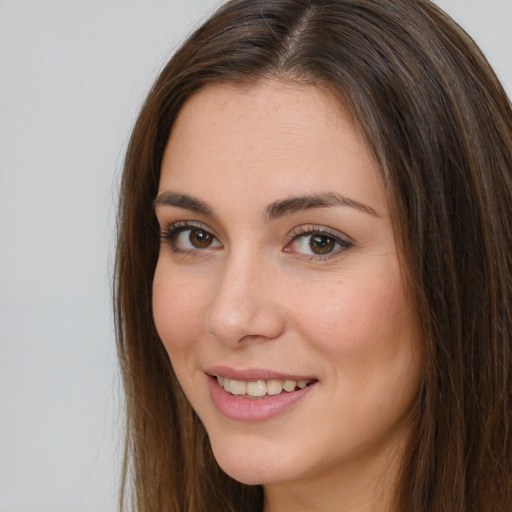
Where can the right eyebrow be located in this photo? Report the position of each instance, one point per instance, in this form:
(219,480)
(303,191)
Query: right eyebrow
(183,201)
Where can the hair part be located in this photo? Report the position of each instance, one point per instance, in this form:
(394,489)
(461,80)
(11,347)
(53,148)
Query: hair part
(439,126)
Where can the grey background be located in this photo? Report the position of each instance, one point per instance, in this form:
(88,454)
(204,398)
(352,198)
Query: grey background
(72,77)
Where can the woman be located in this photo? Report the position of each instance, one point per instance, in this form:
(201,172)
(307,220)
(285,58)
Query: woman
(314,266)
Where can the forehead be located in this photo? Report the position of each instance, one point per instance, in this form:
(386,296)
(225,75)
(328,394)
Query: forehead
(294,139)
(264,109)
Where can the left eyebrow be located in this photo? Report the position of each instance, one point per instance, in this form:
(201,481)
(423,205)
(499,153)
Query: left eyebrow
(323,200)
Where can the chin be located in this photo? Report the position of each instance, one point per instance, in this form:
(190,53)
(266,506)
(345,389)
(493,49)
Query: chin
(253,464)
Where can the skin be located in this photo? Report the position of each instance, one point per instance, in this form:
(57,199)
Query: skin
(259,295)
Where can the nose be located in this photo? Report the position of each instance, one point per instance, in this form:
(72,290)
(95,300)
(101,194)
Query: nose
(245,305)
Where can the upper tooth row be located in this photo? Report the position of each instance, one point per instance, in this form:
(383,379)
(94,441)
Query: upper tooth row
(260,387)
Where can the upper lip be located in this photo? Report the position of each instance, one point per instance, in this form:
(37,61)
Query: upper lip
(254,374)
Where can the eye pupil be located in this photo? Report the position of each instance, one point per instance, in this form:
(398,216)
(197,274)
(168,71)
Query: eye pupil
(199,238)
(320,244)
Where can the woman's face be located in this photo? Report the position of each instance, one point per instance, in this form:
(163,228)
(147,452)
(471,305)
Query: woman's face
(278,293)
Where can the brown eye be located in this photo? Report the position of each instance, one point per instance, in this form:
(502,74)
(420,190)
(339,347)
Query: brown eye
(321,244)
(199,238)
(316,242)
(190,238)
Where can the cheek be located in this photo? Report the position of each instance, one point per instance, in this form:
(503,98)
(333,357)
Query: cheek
(365,319)
(363,330)
(177,309)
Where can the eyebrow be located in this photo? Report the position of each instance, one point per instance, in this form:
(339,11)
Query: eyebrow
(274,210)
(183,201)
(323,200)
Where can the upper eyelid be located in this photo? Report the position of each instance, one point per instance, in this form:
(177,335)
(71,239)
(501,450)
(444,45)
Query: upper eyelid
(315,228)
(190,224)
(338,238)
(170,232)
(297,231)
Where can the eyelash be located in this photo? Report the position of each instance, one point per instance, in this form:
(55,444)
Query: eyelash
(171,234)
(304,232)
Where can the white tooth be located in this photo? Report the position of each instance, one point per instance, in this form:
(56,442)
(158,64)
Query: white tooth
(274,387)
(220,380)
(289,385)
(227,385)
(238,387)
(302,384)
(258,388)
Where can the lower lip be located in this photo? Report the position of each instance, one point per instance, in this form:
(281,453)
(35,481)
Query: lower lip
(258,409)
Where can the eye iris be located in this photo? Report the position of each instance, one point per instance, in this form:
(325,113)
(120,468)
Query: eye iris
(199,238)
(320,244)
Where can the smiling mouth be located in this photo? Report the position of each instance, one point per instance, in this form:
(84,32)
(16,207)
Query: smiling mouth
(261,388)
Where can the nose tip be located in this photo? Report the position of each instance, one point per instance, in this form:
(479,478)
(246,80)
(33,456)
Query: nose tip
(234,326)
(244,309)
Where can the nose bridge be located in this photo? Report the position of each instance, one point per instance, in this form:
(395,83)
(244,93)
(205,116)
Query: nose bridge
(244,304)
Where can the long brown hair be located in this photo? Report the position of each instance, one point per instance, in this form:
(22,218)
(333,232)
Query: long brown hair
(440,128)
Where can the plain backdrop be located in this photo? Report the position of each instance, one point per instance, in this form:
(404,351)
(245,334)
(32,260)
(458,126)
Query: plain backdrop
(73,74)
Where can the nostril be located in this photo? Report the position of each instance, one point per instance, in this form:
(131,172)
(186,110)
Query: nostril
(242,321)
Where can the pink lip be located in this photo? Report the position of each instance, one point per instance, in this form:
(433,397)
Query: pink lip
(253,410)
(254,374)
